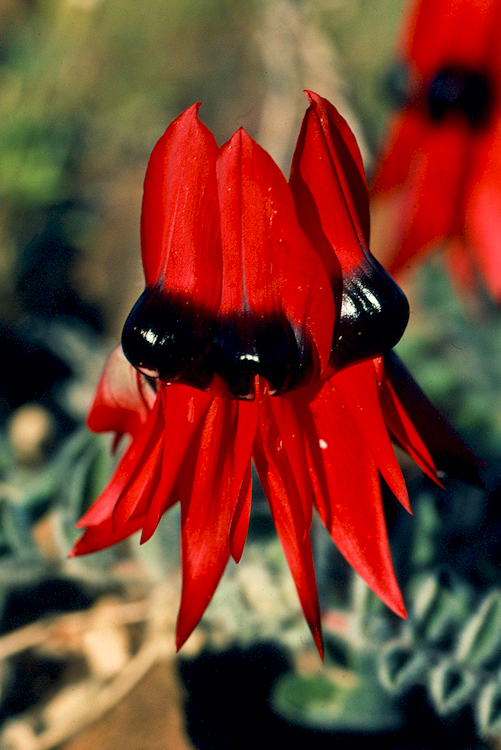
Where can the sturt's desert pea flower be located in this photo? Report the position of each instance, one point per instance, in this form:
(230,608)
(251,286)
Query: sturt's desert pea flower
(438,180)
(263,334)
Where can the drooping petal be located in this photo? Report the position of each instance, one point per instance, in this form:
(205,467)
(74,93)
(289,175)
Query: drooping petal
(358,388)
(185,409)
(240,520)
(329,188)
(146,476)
(103,535)
(277,311)
(290,443)
(170,328)
(210,487)
(133,473)
(346,488)
(421,430)
(286,505)
(404,433)
(123,399)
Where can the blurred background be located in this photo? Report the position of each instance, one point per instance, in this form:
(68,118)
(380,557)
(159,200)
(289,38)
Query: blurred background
(86,645)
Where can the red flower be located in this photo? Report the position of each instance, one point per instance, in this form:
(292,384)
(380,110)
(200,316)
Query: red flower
(437,182)
(263,340)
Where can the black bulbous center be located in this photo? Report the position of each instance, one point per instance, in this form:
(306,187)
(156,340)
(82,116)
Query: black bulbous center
(374,314)
(464,91)
(246,345)
(167,337)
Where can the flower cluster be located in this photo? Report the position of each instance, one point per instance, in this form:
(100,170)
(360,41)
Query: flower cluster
(437,181)
(263,333)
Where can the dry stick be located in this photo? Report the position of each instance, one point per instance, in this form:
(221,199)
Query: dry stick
(19,735)
(297,54)
(38,632)
(108,697)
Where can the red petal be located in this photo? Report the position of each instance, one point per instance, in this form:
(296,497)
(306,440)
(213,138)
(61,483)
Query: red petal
(483,203)
(347,489)
(328,183)
(132,474)
(179,233)
(286,506)
(103,535)
(358,389)
(240,520)
(448,31)
(123,398)
(184,410)
(144,481)
(430,202)
(290,441)
(268,264)
(209,497)
(420,428)
(136,497)
(407,128)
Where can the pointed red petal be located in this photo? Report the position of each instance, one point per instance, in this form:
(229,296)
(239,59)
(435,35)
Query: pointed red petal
(143,480)
(328,183)
(123,398)
(181,251)
(177,246)
(404,433)
(420,428)
(240,520)
(358,389)
(103,535)
(186,408)
(287,507)
(136,496)
(290,441)
(209,498)
(268,264)
(129,478)
(347,489)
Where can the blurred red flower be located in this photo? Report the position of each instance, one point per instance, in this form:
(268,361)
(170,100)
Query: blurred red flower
(438,181)
(260,335)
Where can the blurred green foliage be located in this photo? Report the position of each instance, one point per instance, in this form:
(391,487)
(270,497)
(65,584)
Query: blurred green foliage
(87,86)
(86,83)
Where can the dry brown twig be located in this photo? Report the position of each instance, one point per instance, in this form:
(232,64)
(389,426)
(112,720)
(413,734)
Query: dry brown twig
(100,635)
(297,54)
